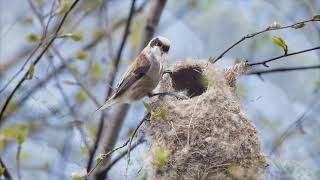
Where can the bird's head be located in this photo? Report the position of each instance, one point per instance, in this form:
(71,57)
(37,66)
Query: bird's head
(159,45)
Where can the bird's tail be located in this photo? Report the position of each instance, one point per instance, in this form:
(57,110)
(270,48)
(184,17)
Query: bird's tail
(107,104)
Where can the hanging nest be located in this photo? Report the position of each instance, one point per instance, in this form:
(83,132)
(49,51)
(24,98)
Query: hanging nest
(207,136)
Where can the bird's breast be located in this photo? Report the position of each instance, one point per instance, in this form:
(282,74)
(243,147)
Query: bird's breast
(155,72)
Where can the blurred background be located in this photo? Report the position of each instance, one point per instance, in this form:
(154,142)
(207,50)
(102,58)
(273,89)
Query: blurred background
(48,127)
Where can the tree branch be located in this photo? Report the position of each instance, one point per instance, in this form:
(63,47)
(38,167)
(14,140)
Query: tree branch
(18,161)
(37,60)
(269,28)
(62,67)
(122,155)
(282,56)
(106,155)
(279,141)
(6,173)
(276,70)
(153,20)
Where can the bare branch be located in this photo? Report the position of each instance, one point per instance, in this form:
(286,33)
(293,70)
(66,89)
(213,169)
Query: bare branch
(33,8)
(120,156)
(6,173)
(37,60)
(277,70)
(105,156)
(269,28)
(264,63)
(279,141)
(18,161)
(153,20)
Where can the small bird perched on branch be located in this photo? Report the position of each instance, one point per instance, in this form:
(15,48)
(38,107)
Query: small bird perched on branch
(143,75)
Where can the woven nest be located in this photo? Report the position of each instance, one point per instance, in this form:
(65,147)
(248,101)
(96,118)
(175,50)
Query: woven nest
(208,136)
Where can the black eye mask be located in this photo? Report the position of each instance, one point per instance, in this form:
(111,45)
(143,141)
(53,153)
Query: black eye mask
(165,48)
(157,42)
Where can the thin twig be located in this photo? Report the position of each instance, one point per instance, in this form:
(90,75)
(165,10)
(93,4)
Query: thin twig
(18,161)
(264,63)
(190,122)
(260,32)
(63,60)
(279,141)
(43,38)
(120,156)
(22,68)
(7,101)
(277,70)
(62,67)
(176,134)
(105,156)
(68,104)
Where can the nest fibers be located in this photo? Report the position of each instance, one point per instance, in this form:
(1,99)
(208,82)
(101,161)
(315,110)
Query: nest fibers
(207,136)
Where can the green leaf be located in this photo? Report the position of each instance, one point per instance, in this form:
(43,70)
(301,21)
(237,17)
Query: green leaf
(2,145)
(161,112)
(40,2)
(2,169)
(81,96)
(76,36)
(317,85)
(31,71)
(75,177)
(32,37)
(298,26)
(148,107)
(22,134)
(64,7)
(27,20)
(280,42)
(161,157)
(12,107)
(84,151)
(212,59)
(234,171)
(74,69)
(316,17)
(96,71)
(100,158)
(237,61)
(81,55)
(45,166)
(91,5)
(99,34)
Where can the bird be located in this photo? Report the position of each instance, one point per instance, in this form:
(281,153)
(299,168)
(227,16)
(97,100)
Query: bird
(143,75)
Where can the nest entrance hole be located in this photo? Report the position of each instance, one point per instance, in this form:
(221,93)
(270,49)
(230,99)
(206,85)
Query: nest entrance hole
(189,79)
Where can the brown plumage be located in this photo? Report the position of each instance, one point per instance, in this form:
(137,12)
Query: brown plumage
(143,75)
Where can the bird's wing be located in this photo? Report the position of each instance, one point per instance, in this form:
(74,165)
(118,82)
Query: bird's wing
(139,68)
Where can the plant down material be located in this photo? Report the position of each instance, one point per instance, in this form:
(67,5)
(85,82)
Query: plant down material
(209,135)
